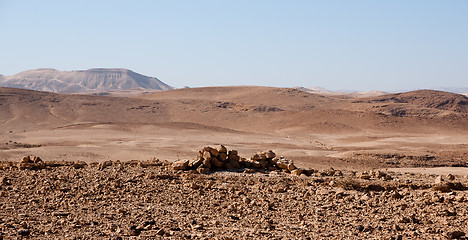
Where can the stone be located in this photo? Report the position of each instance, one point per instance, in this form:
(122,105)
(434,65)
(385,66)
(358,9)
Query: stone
(180,165)
(103,165)
(308,172)
(233,164)
(233,157)
(448,186)
(37,159)
(194,164)
(160,232)
(232,153)
(455,235)
(263,163)
(216,162)
(6,181)
(438,180)
(203,170)
(207,155)
(365,175)
(26,159)
(222,157)
(450,177)
(270,154)
(396,195)
(282,163)
(328,172)
(338,173)
(80,164)
(296,171)
(221,149)
(34,162)
(134,231)
(291,167)
(212,151)
(255,164)
(257,157)
(24,232)
(207,163)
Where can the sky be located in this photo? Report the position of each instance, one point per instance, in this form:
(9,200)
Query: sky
(339,45)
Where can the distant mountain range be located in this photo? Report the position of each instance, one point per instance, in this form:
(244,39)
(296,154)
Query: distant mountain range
(92,80)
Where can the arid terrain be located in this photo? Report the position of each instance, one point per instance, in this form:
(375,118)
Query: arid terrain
(414,129)
(421,131)
(151,200)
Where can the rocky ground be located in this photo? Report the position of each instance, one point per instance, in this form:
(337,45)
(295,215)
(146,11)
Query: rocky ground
(150,199)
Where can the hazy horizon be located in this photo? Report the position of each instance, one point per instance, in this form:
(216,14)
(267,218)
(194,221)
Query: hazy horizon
(340,45)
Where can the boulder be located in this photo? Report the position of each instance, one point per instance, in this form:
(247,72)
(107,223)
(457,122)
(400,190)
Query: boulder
(269,154)
(450,177)
(207,163)
(207,155)
(455,235)
(221,149)
(308,172)
(212,151)
(297,171)
(181,165)
(263,163)
(79,164)
(222,156)
(216,162)
(203,170)
(291,167)
(26,159)
(438,180)
(103,165)
(282,163)
(194,164)
(257,157)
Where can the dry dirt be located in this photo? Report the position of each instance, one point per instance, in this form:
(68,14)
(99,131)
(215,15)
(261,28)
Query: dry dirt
(398,130)
(150,200)
(401,132)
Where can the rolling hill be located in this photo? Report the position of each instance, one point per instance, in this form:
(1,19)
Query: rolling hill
(422,128)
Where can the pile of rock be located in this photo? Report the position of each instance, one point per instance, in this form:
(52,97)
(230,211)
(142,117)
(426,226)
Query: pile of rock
(220,158)
(33,162)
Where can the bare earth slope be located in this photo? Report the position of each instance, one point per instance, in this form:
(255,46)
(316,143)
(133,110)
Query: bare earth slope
(429,99)
(92,80)
(313,129)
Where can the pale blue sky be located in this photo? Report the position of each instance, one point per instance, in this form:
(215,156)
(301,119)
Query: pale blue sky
(339,45)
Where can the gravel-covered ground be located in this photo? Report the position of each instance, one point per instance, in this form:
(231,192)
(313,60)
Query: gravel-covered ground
(147,200)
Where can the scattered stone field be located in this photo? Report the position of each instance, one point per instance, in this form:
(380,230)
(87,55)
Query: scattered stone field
(151,200)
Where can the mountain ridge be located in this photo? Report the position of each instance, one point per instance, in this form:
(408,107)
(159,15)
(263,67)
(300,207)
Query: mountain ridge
(82,81)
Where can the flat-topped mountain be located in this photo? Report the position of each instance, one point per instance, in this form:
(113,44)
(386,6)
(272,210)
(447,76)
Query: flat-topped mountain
(92,80)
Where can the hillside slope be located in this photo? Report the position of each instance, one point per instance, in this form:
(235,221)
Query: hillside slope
(318,129)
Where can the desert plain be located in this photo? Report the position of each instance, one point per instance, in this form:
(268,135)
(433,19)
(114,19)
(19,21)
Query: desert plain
(391,166)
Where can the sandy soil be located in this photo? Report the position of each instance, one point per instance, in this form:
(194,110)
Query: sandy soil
(100,142)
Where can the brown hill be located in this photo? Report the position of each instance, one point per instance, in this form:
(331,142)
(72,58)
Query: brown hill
(250,109)
(429,99)
(27,109)
(175,123)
